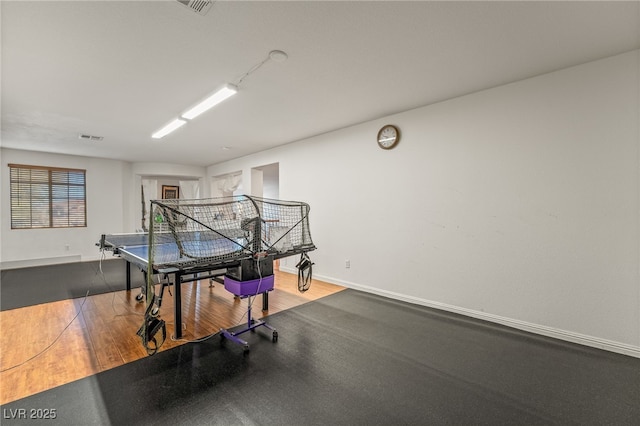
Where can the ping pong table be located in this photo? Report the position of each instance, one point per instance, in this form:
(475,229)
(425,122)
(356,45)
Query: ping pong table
(169,260)
(238,237)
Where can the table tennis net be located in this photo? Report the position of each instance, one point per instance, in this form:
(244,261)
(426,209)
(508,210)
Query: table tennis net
(229,228)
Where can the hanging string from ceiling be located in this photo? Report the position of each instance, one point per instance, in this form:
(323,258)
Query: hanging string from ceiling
(274,55)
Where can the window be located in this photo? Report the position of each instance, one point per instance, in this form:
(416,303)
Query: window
(47,197)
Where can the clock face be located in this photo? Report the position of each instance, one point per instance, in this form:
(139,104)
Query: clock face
(388,137)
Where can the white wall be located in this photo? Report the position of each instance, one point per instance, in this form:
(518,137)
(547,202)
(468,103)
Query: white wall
(166,174)
(113,206)
(106,211)
(518,204)
(271,182)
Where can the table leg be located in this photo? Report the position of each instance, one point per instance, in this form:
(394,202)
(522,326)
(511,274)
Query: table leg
(177,299)
(128,275)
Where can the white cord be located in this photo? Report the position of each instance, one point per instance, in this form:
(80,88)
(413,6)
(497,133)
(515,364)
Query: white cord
(202,339)
(54,341)
(252,69)
(113,299)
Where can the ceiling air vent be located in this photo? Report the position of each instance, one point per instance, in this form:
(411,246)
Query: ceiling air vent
(198,6)
(90,137)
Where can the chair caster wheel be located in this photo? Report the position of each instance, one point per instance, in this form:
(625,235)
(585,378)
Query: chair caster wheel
(275,337)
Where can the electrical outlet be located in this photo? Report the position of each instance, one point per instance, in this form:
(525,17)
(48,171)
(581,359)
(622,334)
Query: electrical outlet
(347,264)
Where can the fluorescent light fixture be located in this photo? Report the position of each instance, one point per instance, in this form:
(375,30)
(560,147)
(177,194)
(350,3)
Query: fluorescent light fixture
(177,123)
(225,92)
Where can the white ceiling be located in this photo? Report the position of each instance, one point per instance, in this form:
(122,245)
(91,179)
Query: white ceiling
(123,69)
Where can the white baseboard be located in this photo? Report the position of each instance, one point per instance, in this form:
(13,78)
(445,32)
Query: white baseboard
(569,336)
(14,264)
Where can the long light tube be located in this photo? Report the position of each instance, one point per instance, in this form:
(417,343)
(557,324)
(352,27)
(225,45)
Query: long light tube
(169,128)
(223,93)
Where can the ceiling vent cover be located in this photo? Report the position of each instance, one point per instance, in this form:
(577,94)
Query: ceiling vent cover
(198,6)
(90,137)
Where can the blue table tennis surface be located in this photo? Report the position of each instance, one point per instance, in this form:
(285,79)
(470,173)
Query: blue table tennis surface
(204,250)
(168,256)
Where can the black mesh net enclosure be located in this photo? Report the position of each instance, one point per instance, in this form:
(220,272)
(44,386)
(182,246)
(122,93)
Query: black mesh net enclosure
(223,230)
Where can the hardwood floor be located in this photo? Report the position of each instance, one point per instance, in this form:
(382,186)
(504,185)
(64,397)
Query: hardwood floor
(48,345)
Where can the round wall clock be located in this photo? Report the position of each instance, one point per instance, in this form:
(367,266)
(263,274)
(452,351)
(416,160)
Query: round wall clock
(388,136)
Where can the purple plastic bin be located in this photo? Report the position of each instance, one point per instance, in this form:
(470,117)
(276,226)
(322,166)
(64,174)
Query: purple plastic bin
(249,288)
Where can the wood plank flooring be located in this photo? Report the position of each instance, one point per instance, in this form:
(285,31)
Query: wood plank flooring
(48,345)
